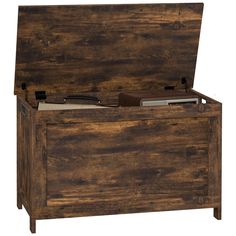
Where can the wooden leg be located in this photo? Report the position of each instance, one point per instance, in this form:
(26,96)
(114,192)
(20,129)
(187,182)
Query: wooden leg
(32,225)
(18,170)
(217,213)
(19,203)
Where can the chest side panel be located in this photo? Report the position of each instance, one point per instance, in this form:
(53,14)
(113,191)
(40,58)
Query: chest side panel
(23,154)
(131,160)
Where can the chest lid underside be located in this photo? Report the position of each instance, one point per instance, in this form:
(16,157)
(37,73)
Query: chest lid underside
(103,48)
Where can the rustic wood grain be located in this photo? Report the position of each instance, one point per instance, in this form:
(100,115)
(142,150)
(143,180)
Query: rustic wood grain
(115,160)
(218,167)
(128,113)
(122,159)
(19,156)
(98,48)
(181,175)
(32,225)
(23,156)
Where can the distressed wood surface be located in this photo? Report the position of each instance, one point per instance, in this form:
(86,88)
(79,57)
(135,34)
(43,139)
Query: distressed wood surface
(19,156)
(99,48)
(117,160)
(157,159)
(23,156)
(128,113)
(126,206)
(218,166)
(32,225)
(94,162)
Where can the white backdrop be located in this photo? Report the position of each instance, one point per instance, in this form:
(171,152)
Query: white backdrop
(215,74)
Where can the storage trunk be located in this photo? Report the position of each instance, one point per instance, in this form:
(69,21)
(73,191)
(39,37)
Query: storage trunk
(117,159)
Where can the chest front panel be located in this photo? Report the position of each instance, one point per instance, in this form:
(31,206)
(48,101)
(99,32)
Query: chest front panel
(108,161)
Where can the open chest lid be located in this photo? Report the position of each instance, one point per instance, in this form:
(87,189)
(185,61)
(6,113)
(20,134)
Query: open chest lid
(102,48)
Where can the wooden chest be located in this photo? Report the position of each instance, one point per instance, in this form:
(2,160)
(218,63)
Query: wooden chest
(121,159)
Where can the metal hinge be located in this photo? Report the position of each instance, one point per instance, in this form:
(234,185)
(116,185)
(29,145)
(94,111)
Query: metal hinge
(40,95)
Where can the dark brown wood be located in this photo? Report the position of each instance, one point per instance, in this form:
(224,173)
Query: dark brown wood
(128,113)
(217,213)
(32,225)
(122,159)
(63,146)
(98,48)
(218,167)
(19,156)
(23,154)
(134,169)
